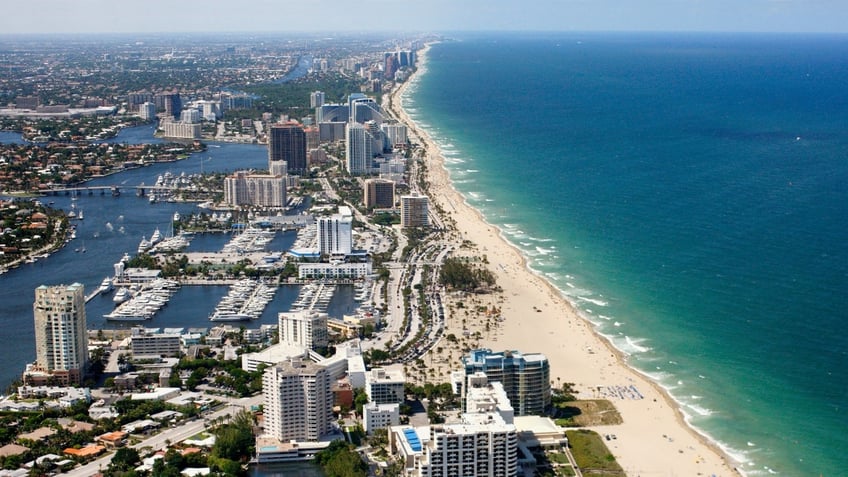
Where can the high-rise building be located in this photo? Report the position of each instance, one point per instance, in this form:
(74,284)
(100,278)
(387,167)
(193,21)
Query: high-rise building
(179,129)
(61,338)
(287,142)
(413,211)
(169,102)
(482,445)
(332,113)
(278,168)
(396,134)
(243,188)
(379,194)
(525,377)
(304,328)
(190,115)
(147,111)
(363,108)
(335,233)
(298,401)
(358,149)
(316,99)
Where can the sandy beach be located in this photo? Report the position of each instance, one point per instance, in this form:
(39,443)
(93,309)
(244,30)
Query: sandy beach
(530,315)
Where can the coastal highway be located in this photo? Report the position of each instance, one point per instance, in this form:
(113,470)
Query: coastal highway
(172,435)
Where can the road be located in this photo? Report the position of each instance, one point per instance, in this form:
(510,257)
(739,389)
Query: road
(172,435)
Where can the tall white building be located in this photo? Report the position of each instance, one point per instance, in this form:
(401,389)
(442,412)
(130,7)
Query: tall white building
(298,401)
(180,130)
(413,211)
(147,111)
(61,338)
(190,115)
(483,444)
(396,133)
(358,149)
(244,188)
(305,328)
(316,99)
(335,233)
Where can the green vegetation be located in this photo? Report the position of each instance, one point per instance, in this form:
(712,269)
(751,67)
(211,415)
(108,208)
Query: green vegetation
(592,455)
(292,97)
(459,274)
(233,444)
(593,412)
(27,227)
(340,460)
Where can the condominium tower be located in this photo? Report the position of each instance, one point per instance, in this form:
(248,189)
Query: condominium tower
(379,194)
(61,339)
(335,236)
(298,401)
(287,142)
(358,149)
(413,211)
(526,378)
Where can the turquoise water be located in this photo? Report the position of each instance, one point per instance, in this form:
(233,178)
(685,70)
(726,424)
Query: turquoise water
(688,194)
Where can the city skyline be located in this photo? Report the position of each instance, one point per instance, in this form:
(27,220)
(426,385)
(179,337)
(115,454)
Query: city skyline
(333,16)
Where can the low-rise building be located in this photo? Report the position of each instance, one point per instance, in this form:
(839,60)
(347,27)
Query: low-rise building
(380,416)
(385,386)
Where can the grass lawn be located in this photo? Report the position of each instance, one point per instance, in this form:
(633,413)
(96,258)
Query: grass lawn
(592,412)
(592,455)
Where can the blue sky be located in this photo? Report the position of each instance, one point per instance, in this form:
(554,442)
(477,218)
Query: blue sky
(44,16)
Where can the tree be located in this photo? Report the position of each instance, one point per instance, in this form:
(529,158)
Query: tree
(125,458)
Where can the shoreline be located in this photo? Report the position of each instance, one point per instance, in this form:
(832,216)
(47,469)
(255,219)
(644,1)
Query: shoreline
(582,361)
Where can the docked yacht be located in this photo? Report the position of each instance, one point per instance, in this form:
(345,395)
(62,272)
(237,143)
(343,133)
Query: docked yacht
(144,245)
(156,237)
(122,295)
(105,285)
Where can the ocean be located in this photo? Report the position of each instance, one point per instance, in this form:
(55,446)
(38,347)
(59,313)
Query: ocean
(687,193)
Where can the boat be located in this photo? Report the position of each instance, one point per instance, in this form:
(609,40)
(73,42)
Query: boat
(144,245)
(72,215)
(230,317)
(156,237)
(176,216)
(152,198)
(122,295)
(80,217)
(105,285)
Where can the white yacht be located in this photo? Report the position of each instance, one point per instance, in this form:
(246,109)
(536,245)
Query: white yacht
(156,237)
(144,245)
(106,285)
(122,295)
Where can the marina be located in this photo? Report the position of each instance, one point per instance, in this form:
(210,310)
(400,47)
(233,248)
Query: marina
(146,301)
(314,297)
(245,301)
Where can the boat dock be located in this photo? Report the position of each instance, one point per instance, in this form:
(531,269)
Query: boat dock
(246,300)
(314,296)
